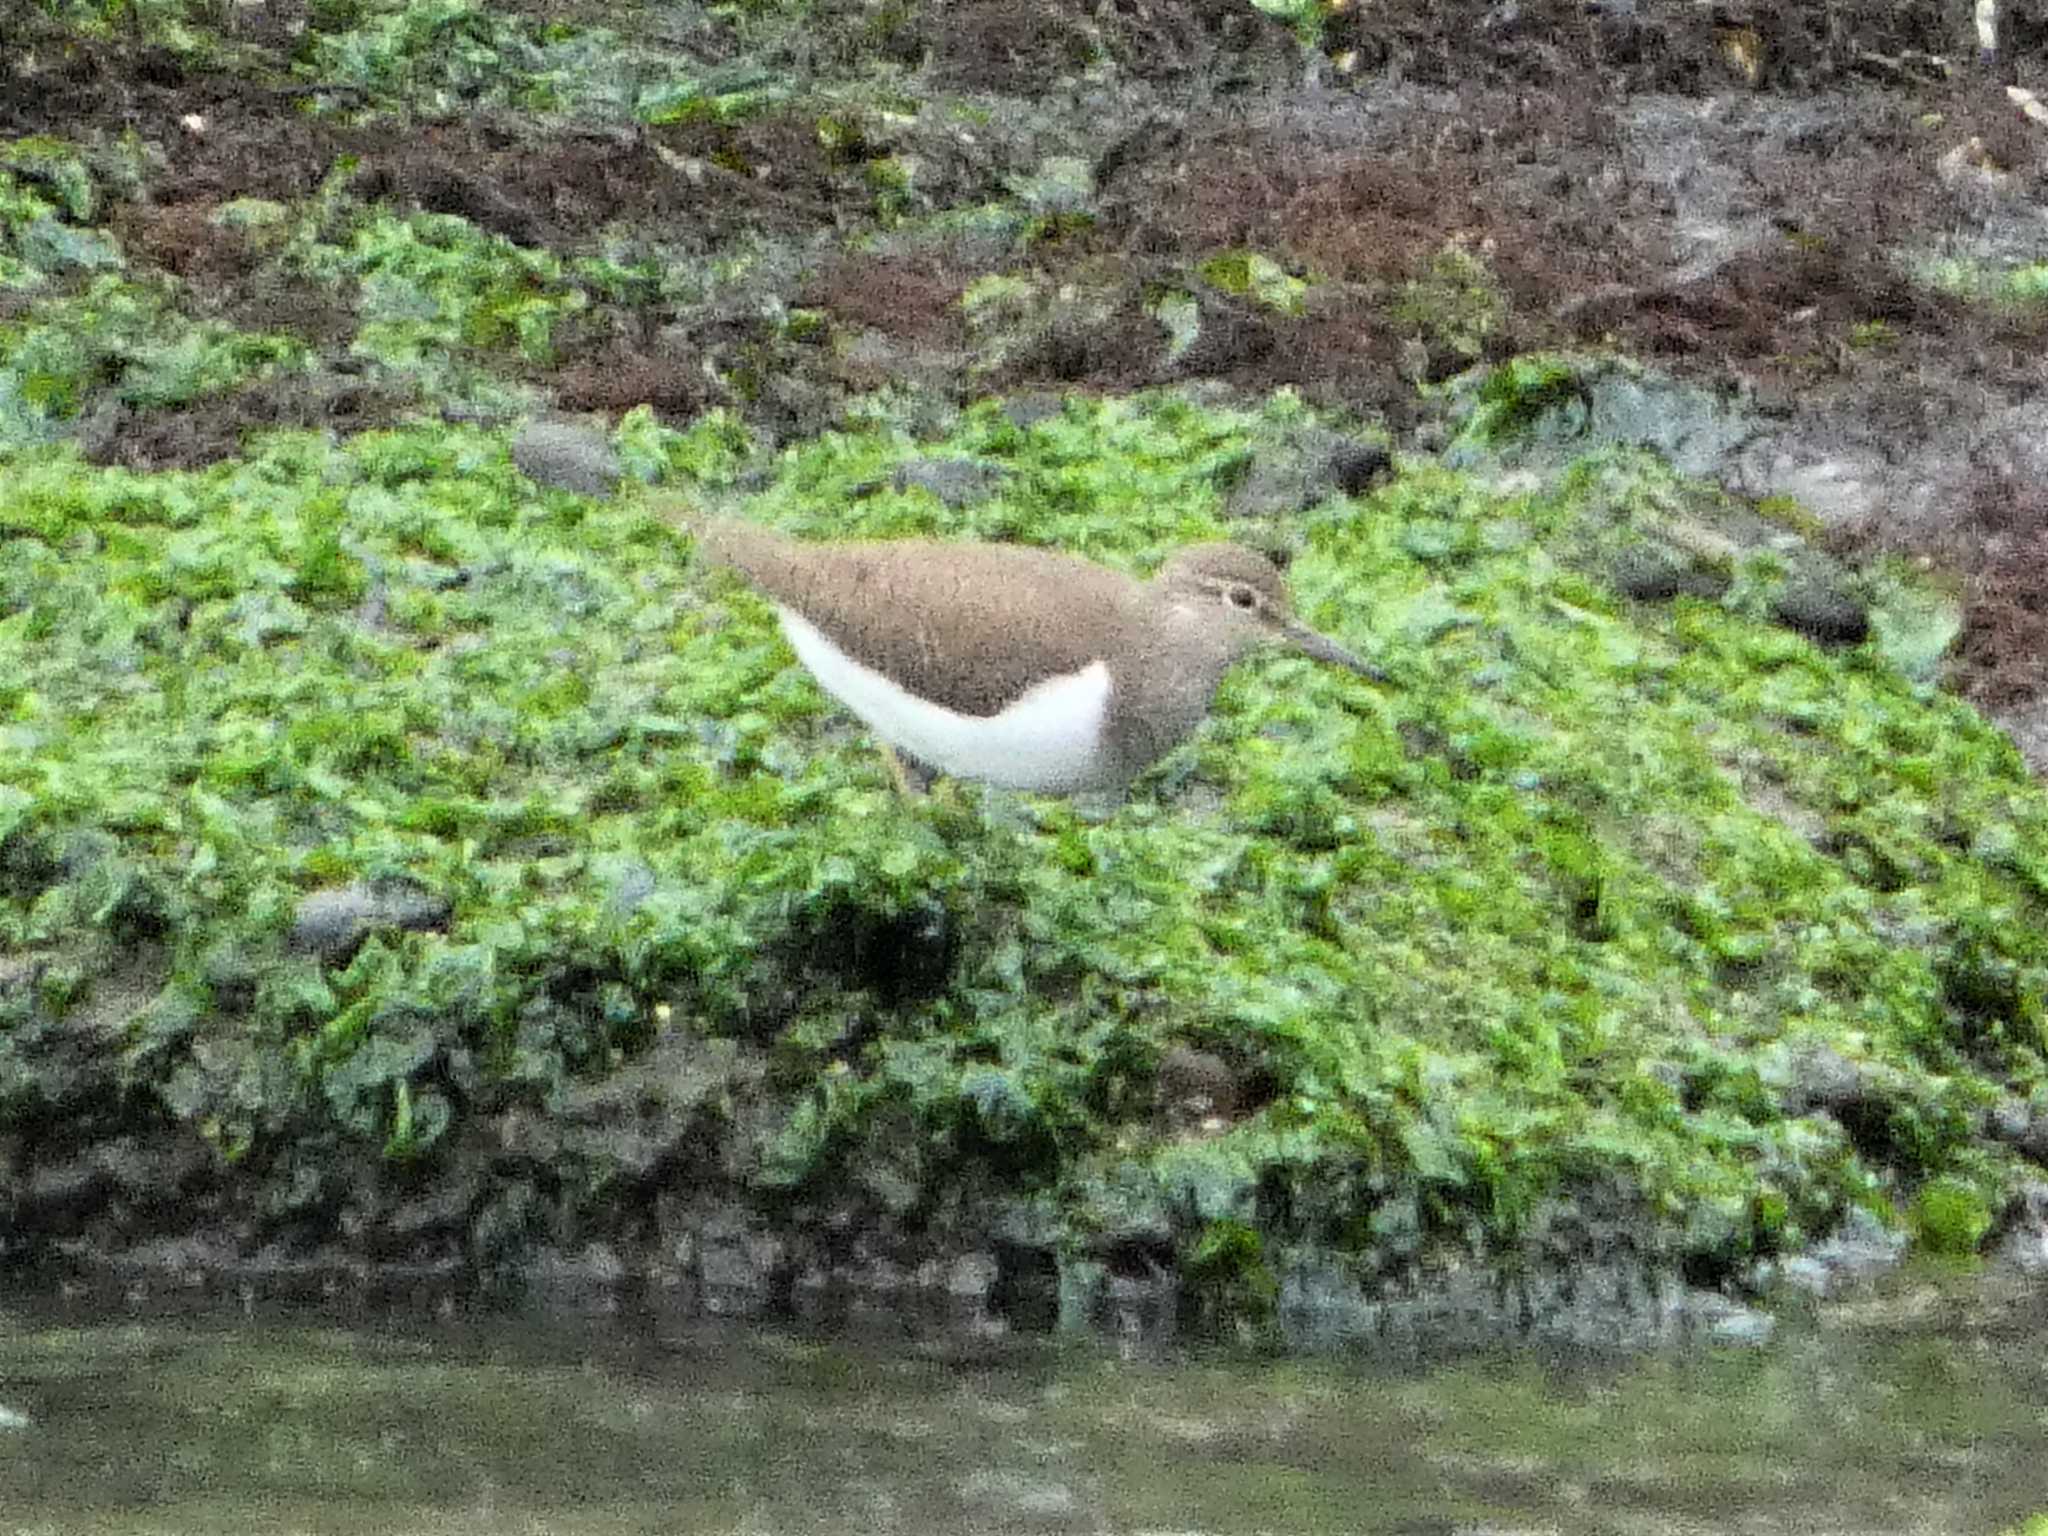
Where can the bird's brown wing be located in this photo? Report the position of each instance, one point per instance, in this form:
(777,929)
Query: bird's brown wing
(970,626)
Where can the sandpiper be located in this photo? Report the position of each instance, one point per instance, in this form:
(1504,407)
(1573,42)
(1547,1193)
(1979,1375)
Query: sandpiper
(1024,668)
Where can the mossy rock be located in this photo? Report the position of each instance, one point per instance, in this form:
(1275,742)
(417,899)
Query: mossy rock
(1534,913)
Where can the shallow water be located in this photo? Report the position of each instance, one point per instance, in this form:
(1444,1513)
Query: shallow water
(1921,1413)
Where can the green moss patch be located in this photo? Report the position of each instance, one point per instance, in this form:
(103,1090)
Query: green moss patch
(123,340)
(442,58)
(2020,287)
(431,285)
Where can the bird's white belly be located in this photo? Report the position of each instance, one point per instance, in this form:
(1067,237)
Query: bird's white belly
(1050,739)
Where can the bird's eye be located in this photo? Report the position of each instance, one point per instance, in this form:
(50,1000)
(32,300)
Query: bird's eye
(1244,597)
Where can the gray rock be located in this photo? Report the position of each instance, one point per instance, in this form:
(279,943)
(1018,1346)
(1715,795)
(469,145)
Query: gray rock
(1805,1273)
(502,1229)
(629,882)
(1023,1494)
(1693,428)
(2014,444)
(232,974)
(332,924)
(64,1196)
(440,1211)
(523,1136)
(1025,1293)
(1131,1298)
(1727,1321)
(1840,484)
(969,1277)
(1861,1249)
(1276,484)
(1194,1087)
(1062,184)
(1608,403)
(2022,1242)
(1822,612)
(1622,1301)
(567,456)
(1028,410)
(1824,1079)
(956,482)
(646,1115)
(2010,1120)
(1355,467)
(593,1268)
(58,1197)
(1590,1271)
(737,1264)
(1293,476)
(1653,575)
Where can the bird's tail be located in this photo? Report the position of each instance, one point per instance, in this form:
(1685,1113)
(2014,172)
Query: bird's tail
(731,542)
(679,514)
(708,535)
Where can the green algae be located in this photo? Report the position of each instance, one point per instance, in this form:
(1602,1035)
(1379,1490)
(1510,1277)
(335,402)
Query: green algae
(1555,907)
(2018,287)
(454,310)
(1456,303)
(124,339)
(56,166)
(717,97)
(190,28)
(91,332)
(431,283)
(1523,391)
(1305,17)
(41,239)
(1249,274)
(1951,1216)
(440,58)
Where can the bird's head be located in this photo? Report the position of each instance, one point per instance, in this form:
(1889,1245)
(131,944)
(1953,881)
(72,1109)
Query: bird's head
(1247,591)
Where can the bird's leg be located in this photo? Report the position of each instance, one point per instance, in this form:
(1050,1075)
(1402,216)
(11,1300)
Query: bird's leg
(912,779)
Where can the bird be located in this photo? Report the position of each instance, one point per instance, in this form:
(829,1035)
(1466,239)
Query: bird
(1025,668)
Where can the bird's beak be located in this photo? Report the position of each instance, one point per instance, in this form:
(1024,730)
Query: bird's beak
(1321,647)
